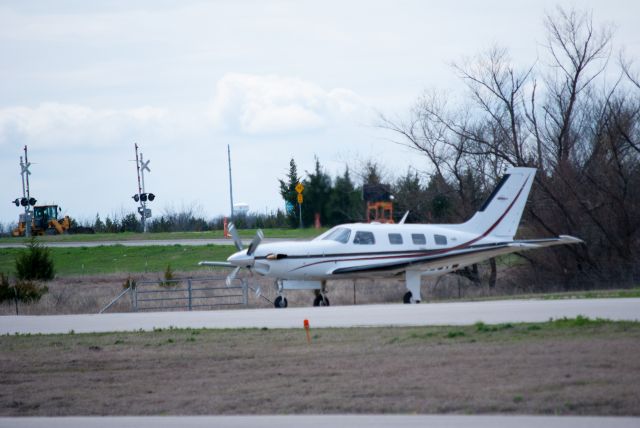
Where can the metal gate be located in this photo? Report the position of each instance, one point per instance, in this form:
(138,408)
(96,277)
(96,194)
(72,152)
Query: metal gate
(185,294)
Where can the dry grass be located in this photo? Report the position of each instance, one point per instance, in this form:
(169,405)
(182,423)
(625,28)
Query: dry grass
(90,293)
(589,369)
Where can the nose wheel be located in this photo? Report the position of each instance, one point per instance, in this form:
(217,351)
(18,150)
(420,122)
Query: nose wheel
(280,302)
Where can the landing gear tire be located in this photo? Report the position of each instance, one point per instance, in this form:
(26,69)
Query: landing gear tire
(321,300)
(280,302)
(407,297)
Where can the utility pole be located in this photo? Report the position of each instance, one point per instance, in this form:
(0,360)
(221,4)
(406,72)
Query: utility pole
(230,179)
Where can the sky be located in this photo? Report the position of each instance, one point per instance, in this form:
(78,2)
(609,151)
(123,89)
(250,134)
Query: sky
(82,82)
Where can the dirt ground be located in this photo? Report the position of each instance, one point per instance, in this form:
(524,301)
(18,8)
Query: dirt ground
(551,368)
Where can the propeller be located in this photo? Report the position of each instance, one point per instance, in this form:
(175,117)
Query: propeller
(241,259)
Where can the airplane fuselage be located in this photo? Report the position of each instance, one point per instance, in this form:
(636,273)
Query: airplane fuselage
(363,250)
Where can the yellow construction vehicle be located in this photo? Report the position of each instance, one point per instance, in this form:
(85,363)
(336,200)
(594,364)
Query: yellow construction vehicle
(45,221)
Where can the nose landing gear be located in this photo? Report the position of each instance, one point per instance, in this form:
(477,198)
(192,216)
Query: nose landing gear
(280,302)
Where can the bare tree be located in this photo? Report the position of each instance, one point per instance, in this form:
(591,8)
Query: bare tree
(581,134)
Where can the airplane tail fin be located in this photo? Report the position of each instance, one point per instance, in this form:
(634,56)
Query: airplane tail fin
(500,215)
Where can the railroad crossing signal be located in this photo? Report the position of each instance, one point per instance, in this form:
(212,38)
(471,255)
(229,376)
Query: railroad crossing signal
(299,188)
(25,168)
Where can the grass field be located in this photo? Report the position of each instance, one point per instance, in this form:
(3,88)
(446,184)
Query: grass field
(118,258)
(307,233)
(569,366)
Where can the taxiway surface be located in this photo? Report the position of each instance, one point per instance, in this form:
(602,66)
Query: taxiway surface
(320,421)
(142,243)
(458,313)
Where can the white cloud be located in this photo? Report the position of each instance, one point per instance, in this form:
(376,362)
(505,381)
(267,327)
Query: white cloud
(270,104)
(72,125)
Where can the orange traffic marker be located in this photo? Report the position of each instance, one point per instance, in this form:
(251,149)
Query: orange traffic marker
(306,328)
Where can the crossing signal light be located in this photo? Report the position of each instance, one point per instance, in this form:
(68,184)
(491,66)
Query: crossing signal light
(17,202)
(24,202)
(144,197)
(32,201)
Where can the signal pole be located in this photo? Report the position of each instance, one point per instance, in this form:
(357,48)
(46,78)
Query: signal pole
(230,180)
(25,173)
(142,196)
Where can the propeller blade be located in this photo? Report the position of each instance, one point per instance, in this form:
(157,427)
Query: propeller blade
(220,264)
(236,237)
(229,279)
(256,241)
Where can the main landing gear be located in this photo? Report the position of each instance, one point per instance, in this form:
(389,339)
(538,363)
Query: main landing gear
(320,299)
(408,298)
(412,281)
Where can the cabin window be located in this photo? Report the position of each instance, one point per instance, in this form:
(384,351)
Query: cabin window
(395,239)
(418,239)
(364,238)
(440,239)
(339,234)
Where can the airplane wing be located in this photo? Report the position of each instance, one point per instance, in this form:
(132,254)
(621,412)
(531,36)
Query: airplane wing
(462,256)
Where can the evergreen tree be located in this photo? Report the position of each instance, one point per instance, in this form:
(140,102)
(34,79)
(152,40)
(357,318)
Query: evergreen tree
(439,194)
(289,194)
(346,201)
(410,196)
(98,225)
(35,262)
(317,194)
(371,173)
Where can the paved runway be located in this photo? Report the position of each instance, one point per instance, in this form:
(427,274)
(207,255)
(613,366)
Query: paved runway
(459,313)
(334,421)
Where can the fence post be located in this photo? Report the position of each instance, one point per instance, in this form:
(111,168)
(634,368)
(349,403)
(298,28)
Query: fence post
(134,298)
(245,292)
(189,291)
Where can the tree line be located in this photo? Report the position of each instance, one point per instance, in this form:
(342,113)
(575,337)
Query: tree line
(573,115)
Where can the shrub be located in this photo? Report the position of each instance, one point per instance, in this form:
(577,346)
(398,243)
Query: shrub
(129,283)
(168,278)
(35,263)
(24,291)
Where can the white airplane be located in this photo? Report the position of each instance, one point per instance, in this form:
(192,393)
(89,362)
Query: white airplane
(362,250)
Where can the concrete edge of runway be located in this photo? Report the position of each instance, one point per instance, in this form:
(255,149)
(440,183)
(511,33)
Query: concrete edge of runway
(322,421)
(390,315)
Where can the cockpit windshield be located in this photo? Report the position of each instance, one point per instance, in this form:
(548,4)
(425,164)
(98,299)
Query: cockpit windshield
(339,234)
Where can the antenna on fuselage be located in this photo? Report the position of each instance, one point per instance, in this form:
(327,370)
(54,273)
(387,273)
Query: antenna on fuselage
(404,218)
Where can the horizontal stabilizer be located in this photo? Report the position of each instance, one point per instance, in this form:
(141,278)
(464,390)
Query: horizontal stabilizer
(548,242)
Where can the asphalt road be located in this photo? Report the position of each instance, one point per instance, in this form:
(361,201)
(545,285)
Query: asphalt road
(142,243)
(334,421)
(459,313)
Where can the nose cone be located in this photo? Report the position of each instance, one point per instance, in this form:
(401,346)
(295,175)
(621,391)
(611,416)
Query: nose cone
(241,259)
